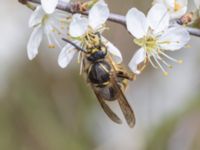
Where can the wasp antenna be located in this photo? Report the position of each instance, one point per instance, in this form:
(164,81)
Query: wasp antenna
(73,44)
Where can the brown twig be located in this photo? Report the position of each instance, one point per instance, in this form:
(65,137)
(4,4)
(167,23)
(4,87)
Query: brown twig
(120,19)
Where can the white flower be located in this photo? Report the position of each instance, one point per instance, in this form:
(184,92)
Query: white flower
(44,24)
(81,26)
(49,6)
(154,36)
(176,8)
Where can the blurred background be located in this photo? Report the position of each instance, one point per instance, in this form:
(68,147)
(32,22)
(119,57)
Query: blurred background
(43,107)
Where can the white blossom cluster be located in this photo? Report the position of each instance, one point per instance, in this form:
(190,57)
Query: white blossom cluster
(154,33)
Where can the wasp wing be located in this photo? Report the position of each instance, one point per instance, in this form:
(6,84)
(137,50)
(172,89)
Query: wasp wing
(106,108)
(124,105)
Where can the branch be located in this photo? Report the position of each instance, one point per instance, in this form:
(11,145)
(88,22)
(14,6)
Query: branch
(120,19)
(193,31)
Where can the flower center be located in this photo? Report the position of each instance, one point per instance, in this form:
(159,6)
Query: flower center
(149,43)
(177,6)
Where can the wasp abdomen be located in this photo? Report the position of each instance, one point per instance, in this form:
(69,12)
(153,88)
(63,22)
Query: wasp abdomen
(108,93)
(99,73)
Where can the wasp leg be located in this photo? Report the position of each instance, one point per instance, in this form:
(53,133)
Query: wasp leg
(122,72)
(126,75)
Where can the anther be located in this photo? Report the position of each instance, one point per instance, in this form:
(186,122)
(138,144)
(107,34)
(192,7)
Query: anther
(188,46)
(165,73)
(53,30)
(52,46)
(177,6)
(170,66)
(180,61)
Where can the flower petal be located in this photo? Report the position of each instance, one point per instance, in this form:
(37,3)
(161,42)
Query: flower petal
(52,37)
(66,55)
(137,23)
(66,1)
(98,14)
(158,18)
(176,8)
(181,8)
(178,14)
(34,42)
(138,58)
(174,38)
(168,3)
(78,26)
(36,17)
(49,6)
(114,51)
(182,2)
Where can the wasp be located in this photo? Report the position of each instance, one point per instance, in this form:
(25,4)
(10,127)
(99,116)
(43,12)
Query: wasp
(107,79)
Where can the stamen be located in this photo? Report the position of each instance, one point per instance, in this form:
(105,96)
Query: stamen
(52,46)
(161,67)
(55,27)
(149,58)
(139,42)
(165,73)
(188,46)
(170,58)
(79,57)
(164,62)
(63,20)
(53,30)
(180,61)
(81,67)
(56,41)
(81,62)
(102,28)
(51,36)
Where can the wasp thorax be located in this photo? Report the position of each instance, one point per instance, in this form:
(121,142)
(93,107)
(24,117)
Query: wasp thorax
(149,43)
